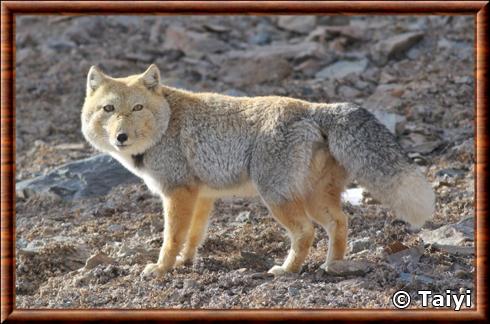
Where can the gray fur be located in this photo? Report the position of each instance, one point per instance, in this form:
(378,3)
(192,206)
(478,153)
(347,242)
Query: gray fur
(220,146)
(222,142)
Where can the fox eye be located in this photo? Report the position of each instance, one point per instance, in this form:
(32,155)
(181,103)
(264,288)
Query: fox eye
(137,107)
(109,108)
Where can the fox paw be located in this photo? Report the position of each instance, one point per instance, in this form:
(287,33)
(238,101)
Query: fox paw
(153,270)
(182,261)
(278,270)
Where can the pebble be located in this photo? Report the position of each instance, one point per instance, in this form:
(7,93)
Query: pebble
(98,259)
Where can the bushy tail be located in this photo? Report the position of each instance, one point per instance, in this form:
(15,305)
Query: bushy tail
(371,155)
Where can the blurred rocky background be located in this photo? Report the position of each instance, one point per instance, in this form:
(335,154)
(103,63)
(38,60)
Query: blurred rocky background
(86,227)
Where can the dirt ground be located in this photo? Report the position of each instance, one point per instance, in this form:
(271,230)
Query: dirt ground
(417,71)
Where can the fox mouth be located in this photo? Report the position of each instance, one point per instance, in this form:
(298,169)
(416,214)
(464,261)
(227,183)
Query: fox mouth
(121,146)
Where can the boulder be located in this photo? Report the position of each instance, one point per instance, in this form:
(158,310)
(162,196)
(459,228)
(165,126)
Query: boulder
(341,69)
(255,71)
(192,43)
(91,177)
(395,46)
(451,234)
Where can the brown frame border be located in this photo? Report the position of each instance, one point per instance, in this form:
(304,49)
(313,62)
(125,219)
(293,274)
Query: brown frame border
(11,8)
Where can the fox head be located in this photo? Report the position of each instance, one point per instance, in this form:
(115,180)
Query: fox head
(124,115)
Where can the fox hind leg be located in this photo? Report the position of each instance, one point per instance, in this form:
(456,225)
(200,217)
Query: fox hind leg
(330,216)
(292,216)
(324,206)
(323,203)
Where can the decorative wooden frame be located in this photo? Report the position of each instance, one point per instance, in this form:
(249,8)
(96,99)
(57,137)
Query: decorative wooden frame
(9,9)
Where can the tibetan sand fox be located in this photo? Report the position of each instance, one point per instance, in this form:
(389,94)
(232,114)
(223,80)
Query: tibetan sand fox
(192,148)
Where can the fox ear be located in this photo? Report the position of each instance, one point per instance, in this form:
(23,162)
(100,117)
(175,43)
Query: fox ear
(94,79)
(151,77)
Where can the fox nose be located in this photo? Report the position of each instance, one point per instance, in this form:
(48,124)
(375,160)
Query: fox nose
(122,137)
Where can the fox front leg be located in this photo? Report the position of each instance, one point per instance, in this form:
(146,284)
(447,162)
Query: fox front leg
(179,208)
(197,231)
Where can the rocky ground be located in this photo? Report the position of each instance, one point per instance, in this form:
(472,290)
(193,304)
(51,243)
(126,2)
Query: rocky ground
(86,230)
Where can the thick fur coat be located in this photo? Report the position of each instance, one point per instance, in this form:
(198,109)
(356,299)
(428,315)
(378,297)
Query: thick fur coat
(191,148)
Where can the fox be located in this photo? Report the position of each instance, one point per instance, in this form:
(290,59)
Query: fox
(191,148)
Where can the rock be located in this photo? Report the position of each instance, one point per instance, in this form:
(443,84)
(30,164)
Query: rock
(386,97)
(193,44)
(462,50)
(92,177)
(454,249)
(70,146)
(261,35)
(278,50)
(394,122)
(252,260)
(462,274)
(417,158)
(216,28)
(347,268)
(23,55)
(464,151)
(410,255)
(395,247)
(348,92)
(298,24)
(451,172)
(67,254)
(262,64)
(97,259)
(417,141)
(333,20)
(85,29)
(324,33)
(386,77)
(255,71)
(60,45)
(462,80)
(260,38)
(261,275)
(156,31)
(341,69)
(244,217)
(32,248)
(20,243)
(371,201)
(427,147)
(360,244)
(409,278)
(395,46)
(293,291)
(451,234)
(126,22)
(115,228)
(189,284)
(139,57)
(353,196)
(311,66)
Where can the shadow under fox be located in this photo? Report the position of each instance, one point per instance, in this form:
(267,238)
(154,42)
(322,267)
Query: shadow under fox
(192,148)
